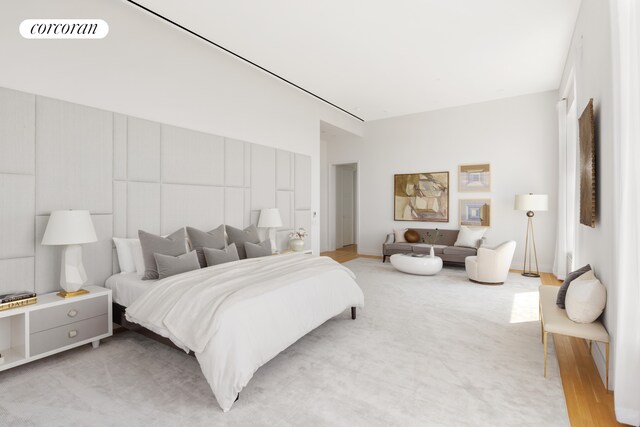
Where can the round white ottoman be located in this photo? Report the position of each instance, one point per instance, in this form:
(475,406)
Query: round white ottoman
(422,265)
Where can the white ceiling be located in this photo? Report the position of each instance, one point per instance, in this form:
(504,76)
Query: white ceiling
(384,58)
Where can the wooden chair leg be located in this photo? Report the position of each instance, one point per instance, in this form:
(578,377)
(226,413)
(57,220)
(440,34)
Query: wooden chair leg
(590,345)
(545,342)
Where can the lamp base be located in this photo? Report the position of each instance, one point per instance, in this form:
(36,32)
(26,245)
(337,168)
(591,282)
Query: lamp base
(530,274)
(65,294)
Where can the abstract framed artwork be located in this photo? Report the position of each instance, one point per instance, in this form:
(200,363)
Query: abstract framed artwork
(475,212)
(421,197)
(474,178)
(587,167)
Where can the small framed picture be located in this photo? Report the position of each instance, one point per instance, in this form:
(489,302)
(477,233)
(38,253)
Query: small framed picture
(475,212)
(474,178)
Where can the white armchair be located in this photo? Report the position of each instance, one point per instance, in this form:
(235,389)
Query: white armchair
(491,266)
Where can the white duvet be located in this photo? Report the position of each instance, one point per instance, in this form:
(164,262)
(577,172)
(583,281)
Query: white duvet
(238,316)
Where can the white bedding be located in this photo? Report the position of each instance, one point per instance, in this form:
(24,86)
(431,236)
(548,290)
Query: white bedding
(238,316)
(127,287)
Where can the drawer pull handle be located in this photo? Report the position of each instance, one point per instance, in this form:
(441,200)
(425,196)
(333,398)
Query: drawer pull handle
(73,333)
(72,313)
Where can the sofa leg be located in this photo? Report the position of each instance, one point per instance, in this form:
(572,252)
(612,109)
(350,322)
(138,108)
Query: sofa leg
(384,258)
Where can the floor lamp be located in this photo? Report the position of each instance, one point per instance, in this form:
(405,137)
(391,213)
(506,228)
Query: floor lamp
(531,203)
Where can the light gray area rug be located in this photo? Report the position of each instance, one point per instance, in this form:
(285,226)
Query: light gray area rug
(424,351)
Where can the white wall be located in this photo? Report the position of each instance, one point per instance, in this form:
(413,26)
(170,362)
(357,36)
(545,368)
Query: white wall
(518,136)
(590,59)
(150,69)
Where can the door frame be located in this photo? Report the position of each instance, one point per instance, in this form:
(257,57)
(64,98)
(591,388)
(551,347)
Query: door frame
(332,202)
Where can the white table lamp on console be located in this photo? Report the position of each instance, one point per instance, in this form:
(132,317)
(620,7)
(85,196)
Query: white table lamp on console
(70,228)
(270,219)
(531,203)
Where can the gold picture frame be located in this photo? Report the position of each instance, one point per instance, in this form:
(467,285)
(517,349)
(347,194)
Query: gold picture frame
(421,197)
(474,178)
(475,212)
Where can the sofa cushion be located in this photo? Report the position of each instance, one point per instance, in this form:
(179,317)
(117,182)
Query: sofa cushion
(455,250)
(399,246)
(423,248)
(469,237)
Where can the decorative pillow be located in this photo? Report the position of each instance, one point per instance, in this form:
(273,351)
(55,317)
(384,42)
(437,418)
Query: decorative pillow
(214,239)
(586,298)
(171,265)
(258,250)
(562,292)
(470,237)
(411,236)
(237,236)
(151,244)
(399,234)
(138,258)
(221,256)
(125,254)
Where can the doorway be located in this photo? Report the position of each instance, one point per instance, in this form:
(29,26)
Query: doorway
(346,191)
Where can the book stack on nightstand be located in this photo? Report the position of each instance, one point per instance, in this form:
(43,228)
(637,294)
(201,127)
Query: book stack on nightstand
(17,299)
(54,324)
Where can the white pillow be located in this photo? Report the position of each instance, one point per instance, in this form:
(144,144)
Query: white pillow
(400,235)
(586,298)
(469,237)
(138,258)
(125,256)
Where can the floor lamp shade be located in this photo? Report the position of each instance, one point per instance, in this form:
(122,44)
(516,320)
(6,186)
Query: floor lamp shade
(270,219)
(531,203)
(70,229)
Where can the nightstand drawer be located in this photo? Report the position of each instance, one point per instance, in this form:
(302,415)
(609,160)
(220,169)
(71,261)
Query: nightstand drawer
(70,312)
(62,336)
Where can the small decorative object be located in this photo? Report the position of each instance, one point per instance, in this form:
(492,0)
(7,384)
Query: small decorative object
(530,203)
(411,236)
(70,229)
(421,197)
(587,167)
(474,178)
(296,239)
(475,212)
(432,239)
(270,219)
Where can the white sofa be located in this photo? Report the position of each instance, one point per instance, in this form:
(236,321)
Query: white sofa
(491,265)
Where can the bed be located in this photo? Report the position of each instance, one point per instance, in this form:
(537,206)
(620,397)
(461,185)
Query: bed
(237,316)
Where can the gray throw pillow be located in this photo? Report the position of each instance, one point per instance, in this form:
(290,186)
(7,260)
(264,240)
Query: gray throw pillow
(562,292)
(258,250)
(221,256)
(171,265)
(199,239)
(152,244)
(239,237)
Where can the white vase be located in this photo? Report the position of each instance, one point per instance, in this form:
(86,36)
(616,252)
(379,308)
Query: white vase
(296,245)
(432,252)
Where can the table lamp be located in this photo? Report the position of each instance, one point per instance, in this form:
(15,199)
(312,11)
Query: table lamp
(270,219)
(530,203)
(70,229)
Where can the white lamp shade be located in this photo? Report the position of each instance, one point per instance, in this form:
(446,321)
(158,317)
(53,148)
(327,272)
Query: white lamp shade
(69,228)
(531,202)
(270,218)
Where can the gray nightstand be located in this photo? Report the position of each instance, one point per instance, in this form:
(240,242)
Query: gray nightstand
(54,324)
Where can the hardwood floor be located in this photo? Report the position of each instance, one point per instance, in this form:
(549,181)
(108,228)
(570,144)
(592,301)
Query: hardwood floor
(588,402)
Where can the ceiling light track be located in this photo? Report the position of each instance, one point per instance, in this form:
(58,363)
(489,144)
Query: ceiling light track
(240,57)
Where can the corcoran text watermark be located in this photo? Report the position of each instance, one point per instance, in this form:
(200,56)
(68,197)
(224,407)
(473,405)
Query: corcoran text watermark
(64,28)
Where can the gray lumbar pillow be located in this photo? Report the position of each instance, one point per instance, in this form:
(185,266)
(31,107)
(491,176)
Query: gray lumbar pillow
(221,256)
(562,292)
(239,237)
(259,250)
(151,244)
(171,265)
(213,239)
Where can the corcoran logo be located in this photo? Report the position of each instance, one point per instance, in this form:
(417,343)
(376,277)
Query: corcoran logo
(64,28)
